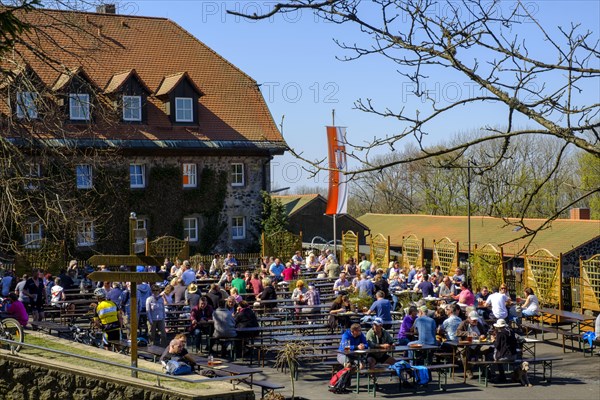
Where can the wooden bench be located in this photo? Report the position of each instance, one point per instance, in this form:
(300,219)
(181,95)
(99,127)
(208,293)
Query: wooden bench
(49,326)
(266,386)
(546,362)
(443,370)
(537,327)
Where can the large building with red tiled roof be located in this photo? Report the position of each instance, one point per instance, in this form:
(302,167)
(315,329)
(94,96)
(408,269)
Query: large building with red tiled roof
(168,104)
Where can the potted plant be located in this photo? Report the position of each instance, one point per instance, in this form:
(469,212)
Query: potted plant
(288,357)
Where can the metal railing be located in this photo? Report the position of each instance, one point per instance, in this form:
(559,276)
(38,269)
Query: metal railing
(143,370)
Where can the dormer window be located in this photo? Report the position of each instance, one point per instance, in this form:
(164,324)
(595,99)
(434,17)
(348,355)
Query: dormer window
(79,106)
(184,109)
(129,93)
(180,96)
(132,108)
(26,105)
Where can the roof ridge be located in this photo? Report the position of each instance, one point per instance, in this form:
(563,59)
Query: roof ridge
(99,13)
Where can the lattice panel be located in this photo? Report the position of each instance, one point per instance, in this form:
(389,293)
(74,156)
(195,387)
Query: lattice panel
(590,283)
(169,246)
(542,271)
(349,246)
(46,255)
(411,252)
(445,255)
(488,268)
(380,250)
(282,244)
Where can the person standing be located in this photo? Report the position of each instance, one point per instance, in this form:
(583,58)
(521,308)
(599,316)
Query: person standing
(35,291)
(7,281)
(107,317)
(155,312)
(505,346)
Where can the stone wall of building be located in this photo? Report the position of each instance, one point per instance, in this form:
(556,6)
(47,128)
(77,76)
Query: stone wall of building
(33,380)
(240,201)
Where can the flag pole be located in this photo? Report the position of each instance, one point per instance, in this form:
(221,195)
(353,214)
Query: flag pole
(334,215)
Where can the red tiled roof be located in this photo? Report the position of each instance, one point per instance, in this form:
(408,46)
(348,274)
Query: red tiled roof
(117,80)
(104,45)
(170,82)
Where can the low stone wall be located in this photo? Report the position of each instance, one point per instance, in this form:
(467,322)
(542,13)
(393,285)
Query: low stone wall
(34,380)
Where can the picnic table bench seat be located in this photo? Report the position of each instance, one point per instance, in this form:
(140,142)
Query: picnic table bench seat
(546,362)
(49,326)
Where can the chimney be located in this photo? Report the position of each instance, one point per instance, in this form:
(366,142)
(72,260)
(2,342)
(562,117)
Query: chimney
(106,9)
(580,213)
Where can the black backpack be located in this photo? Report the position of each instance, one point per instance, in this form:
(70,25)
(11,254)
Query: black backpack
(340,382)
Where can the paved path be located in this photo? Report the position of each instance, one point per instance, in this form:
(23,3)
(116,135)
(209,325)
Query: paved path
(575,377)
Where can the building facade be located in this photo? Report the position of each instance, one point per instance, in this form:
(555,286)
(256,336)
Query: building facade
(113,114)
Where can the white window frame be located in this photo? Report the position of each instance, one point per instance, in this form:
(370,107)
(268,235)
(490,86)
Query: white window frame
(35,173)
(85,234)
(237,177)
(184,105)
(190,171)
(238,231)
(33,235)
(190,229)
(26,105)
(79,106)
(84,175)
(141,174)
(141,223)
(130,106)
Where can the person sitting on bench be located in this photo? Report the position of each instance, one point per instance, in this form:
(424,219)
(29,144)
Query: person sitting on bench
(379,338)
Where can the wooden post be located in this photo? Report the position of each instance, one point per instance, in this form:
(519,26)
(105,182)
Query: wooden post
(388,249)
(422,255)
(457,256)
(134,278)
(133,327)
(560,294)
(503,270)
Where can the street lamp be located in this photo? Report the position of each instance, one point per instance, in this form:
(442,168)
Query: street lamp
(470,164)
(132,226)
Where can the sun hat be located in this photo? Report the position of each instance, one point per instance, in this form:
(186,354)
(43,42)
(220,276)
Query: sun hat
(192,288)
(377,321)
(501,323)
(473,316)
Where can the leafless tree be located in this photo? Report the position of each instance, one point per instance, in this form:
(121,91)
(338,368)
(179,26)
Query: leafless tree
(481,42)
(39,151)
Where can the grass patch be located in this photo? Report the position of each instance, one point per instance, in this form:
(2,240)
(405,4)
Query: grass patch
(97,366)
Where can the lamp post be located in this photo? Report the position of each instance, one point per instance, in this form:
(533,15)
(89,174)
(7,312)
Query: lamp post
(132,226)
(469,217)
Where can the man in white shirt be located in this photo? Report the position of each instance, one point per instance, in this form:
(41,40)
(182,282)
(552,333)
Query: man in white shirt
(497,301)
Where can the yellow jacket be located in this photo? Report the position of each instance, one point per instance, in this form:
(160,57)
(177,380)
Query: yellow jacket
(107,312)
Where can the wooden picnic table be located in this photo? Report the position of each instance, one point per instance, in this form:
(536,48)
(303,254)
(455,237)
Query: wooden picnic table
(226,367)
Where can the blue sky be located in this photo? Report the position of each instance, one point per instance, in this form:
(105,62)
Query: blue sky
(293,57)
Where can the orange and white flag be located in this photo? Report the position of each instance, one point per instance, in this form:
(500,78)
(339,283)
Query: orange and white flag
(337,201)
